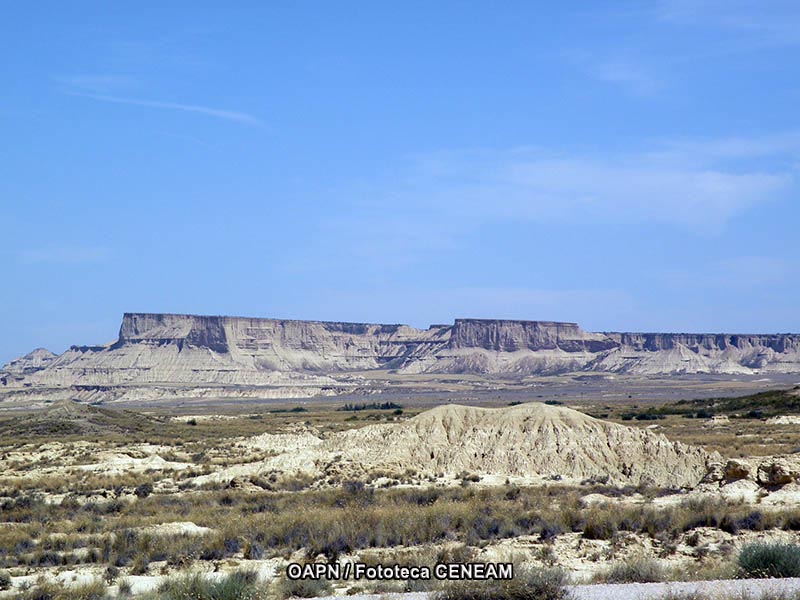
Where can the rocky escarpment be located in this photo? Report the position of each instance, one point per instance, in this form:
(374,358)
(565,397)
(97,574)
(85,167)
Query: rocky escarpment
(512,336)
(544,347)
(655,353)
(166,356)
(175,356)
(653,342)
(285,345)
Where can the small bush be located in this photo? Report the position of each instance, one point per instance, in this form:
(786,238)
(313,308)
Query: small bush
(41,591)
(95,590)
(634,570)
(143,490)
(124,588)
(770,560)
(600,525)
(529,583)
(239,585)
(302,588)
(5,580)
(140,564)
(111,574)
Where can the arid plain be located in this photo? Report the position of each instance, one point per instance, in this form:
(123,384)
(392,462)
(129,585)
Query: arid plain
(220,446)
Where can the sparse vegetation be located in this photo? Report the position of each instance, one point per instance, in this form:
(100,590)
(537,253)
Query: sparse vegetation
(750,406)
(634,570)
(302,588)
(239,585)
(529,583)
(770,560)
(112,521)
(94,590)
(345,519)
(371,406)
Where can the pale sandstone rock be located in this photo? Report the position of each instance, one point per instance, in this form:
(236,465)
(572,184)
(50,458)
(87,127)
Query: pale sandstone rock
(779,471)
(164,356)
(736,469)
(529,440)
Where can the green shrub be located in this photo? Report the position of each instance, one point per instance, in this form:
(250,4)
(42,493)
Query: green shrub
(41,591)
(5,580)
(186,586)
(143,490)
(239,585)
(770,560)
(634,570)
(94,590)
(529,583)
(600,524)
(124,588)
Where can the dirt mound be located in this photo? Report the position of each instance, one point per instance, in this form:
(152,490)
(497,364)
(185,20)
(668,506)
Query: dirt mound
(530,440)
(73,418)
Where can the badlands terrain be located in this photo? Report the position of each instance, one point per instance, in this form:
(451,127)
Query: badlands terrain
(164,358)
(222,448)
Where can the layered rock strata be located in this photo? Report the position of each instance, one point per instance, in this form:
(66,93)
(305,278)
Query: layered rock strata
(167,355)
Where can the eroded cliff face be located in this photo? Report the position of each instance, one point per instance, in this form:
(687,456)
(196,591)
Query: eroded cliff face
(512,336)
(166,355)
(653,342)
(276,344)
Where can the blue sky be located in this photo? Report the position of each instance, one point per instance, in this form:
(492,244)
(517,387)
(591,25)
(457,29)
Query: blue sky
(630,166)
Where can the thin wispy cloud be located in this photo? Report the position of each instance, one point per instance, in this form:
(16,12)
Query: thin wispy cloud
(228,115)
(97,84)
(698,186)
(783,147)
(65,255)
(630,73)
(760,24)
(766,273)
(631,76)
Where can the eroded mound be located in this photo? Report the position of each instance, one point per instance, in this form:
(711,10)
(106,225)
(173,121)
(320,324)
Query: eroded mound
(530,440)
(73,418)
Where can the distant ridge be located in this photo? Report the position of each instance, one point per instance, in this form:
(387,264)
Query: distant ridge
(172,355)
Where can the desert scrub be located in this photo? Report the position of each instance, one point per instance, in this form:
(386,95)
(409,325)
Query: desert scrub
(124,588)
(333,521)
(529,583)
(302,588)
(770,560)
(634,570)
(601,523)
(94,590)
(5,580)
(239,585)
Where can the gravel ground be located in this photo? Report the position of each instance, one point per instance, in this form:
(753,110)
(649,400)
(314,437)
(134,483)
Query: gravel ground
(643,591)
